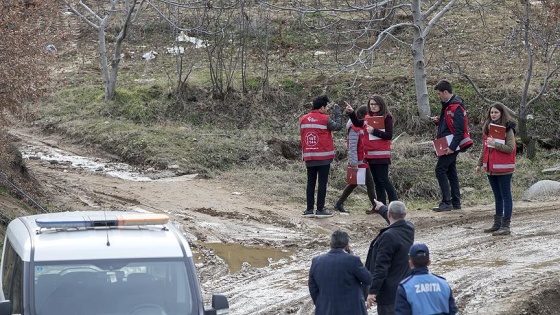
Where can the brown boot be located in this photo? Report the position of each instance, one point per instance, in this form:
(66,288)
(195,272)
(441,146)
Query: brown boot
(496,226)
(504,229)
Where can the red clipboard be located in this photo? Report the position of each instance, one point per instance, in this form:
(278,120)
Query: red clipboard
(356,176)
(440,144)
(377,122)
(497,131)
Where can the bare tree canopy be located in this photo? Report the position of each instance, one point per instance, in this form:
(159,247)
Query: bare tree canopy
(27,43)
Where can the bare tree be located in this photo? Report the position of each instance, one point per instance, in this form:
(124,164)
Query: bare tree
(537,36)
(99,14)
(376,19)
(27,38)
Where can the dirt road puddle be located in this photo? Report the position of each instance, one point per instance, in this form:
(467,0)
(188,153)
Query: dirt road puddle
(238,256)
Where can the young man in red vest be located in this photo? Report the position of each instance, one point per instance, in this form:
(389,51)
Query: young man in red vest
(451,121)
(317,148)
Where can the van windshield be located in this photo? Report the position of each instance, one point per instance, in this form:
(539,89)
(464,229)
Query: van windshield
(158,287)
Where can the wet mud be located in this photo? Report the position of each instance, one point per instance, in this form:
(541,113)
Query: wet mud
(259,254)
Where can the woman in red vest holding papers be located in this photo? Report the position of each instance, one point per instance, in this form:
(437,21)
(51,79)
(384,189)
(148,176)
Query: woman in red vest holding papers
(498,160)
(355,138)
(377,146)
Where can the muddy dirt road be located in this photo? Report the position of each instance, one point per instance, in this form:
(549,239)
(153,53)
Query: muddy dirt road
(258,252)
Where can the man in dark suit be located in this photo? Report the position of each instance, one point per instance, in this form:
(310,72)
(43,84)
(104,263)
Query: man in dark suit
(336,279)
(387,258)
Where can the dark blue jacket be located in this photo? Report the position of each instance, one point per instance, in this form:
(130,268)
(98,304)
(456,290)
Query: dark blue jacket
(458,121)
(387,259)
(423,293)
(335,281)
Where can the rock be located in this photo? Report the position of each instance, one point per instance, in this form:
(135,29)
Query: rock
(542,190)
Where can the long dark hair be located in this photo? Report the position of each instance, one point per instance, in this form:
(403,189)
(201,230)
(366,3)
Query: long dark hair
(383,110)
(505,118)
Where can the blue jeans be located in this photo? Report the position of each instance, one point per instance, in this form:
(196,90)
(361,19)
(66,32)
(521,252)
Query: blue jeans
(501,186)
(314,172)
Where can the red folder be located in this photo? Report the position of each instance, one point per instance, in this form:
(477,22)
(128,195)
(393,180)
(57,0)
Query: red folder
(497,132)
(442,143)
(356,176)
(377,122)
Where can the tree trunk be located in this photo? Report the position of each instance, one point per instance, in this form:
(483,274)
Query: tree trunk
(422,97)
(103,57)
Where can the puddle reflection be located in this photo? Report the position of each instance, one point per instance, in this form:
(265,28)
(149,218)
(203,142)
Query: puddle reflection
(235,255)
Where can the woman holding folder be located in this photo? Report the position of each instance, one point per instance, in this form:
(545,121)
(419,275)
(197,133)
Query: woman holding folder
(498,160)
(377,146)
(355,141)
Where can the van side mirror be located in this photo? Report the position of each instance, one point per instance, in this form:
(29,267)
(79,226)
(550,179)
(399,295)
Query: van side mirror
(6,308)
(220,305)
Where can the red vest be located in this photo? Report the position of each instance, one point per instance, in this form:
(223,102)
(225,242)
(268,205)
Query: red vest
(449,114)
(375,147)
(495,161)
(316,140)
(361,139)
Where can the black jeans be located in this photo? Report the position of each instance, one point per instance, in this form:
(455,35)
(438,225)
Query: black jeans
(446,174)
(383,186)
(322,172)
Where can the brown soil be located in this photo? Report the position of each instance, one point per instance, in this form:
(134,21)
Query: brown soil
(517,274)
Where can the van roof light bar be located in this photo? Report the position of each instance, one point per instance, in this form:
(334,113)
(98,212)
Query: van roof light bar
(110,220)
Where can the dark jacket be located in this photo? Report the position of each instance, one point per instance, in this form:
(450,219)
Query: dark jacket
(335,282)
(458,121)
(387,259)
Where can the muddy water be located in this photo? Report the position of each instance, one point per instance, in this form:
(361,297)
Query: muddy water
(238,256)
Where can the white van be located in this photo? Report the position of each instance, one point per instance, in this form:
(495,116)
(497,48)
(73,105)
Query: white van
(100,263)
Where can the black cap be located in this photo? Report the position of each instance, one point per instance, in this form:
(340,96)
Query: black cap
(419,250)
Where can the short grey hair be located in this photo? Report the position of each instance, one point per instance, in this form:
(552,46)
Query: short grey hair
(397,209)
(339,239)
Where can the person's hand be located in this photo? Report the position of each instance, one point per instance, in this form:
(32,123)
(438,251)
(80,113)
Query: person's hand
(478,169)
(434,119)
(336,110)
(369,129)
(378,204)
(448,151)
(491,141)
(349,108)
(371,299)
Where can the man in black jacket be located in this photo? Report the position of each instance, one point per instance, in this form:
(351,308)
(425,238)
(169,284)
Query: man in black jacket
(452,123)
(387,258)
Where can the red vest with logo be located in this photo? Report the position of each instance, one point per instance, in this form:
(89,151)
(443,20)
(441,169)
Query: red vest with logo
(316,140)
(361,140)
(495,161)
(375,147)
(449,114)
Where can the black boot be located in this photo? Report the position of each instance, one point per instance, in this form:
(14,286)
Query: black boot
(496,226)
(340,207)
(504,230)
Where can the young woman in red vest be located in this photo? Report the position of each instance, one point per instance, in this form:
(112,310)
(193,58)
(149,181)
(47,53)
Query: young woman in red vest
(356,136)
(498,160)
(378,148)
